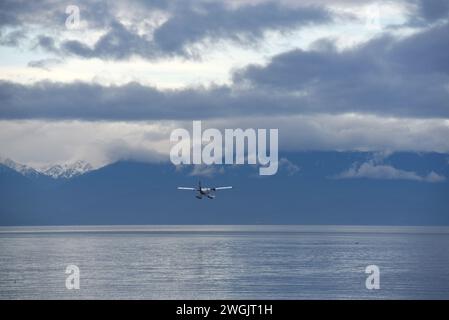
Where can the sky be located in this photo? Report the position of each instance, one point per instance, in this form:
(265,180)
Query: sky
(330,75)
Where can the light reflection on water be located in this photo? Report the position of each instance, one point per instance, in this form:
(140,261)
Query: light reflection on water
(224,262)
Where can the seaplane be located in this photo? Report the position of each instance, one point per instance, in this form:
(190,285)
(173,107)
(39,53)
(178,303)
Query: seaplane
(204,192)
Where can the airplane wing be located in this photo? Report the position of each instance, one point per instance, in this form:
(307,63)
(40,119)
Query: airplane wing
(222,188)
(186,188)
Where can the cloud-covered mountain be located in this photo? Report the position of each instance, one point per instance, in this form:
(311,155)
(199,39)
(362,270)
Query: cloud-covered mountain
(310,188)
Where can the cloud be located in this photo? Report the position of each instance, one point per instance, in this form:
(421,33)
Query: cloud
(407,76)
(51,14)
(194,22)
(289,167)
(385,76)
(349,132)
(47,43)
(434,177)
(429,11)
(390,92)
(161,28)
(41,142)
(371,170)
(118,43)
(46,100)
(154,28)
(206,171)
(214,20)
(44,64)
(119,149)
(11,38)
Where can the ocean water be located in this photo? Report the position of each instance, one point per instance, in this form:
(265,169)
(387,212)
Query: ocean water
(224,262)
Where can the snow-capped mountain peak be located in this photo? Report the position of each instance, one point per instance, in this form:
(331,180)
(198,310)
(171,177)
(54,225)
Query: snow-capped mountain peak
(20,168)
(67,170)
(57,171)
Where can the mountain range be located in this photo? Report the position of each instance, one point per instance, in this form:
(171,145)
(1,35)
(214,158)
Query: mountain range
(57,171)
(313,187)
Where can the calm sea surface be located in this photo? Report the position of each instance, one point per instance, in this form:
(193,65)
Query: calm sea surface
(224,262)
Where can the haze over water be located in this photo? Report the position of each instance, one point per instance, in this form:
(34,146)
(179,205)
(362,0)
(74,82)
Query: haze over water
(224,262)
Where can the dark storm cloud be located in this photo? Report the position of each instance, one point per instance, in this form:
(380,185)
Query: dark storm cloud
(133,101)
(48,43)
(426,13)
(118,43)
(49,16)
(432,10)
(16,12)
(386,76)
(407,77)
(188,22)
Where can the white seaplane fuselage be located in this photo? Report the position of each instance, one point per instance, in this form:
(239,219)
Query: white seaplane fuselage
(204,192)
